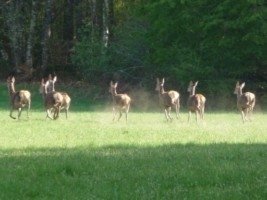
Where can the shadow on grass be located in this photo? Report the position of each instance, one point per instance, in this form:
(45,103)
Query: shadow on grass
(220,171)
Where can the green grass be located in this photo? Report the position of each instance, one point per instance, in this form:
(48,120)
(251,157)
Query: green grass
(90,157)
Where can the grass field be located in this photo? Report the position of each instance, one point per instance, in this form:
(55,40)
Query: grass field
(90,157)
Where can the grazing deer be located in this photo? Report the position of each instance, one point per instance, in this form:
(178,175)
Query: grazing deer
(120,101)
(52,100)
(168,99)
(245,102)
(196,102)
(18,99)
(66,98)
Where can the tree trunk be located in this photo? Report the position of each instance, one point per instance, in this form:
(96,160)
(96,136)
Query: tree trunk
(46,35)
(14,24)
(29,61)
(93,19)
(105,23)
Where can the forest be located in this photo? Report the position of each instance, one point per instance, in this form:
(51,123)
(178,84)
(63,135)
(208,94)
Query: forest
(134,41)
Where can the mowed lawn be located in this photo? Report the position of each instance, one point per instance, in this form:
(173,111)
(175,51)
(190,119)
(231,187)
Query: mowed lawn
(90,157)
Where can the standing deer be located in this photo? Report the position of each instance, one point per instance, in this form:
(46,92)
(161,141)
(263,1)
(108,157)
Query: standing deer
(245,102)
(52,100)
(120,101)
(196,102)
(18,99)
(66,98)
(168,99)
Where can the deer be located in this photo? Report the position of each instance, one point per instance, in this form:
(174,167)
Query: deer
(66,98)
(168,99)
(195,102)
(245,102)
(52,100)
(19,99)
(120,102)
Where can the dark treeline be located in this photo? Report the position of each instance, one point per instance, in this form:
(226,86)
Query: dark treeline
(135,41)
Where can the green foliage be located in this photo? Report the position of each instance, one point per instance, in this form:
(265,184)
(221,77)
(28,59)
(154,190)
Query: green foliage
(128,50)
(90,57)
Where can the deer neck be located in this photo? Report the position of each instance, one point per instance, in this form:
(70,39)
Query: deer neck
(161,90)
(239,92)
(114,93)
(192,91)
(11,89)
(51,86)
(44,91)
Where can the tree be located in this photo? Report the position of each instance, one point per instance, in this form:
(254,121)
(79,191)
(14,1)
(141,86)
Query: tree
(46,33)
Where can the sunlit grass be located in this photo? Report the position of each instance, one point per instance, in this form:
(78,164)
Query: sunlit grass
(90,157)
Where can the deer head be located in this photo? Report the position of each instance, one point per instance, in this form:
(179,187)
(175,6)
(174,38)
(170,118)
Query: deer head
(18,100)
(120,101)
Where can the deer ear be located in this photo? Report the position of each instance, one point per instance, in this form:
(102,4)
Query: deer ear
(116,84)
(111,83)
(13,79)
(162,81)
(242,85)
(55,79)
(196,83)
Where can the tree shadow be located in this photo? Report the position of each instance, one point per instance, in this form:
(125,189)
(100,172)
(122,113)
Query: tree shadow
(221,171)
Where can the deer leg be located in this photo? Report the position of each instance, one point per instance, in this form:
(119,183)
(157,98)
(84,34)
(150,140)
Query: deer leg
(126,112)
(19,112)
(189,115)
(28,109)
(167,113)
(178,108)
(48,114)
(197,113)
(126,115)
(56,113)
(67,110)
(10,114)
(250,113)
(114,114)
(120,114)
(247,114)
(202,112)
(242,115)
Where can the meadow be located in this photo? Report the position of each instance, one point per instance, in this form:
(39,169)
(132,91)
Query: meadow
(90,157)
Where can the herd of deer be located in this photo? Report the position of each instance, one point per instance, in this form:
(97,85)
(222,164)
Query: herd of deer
(55,101)
(195,102)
